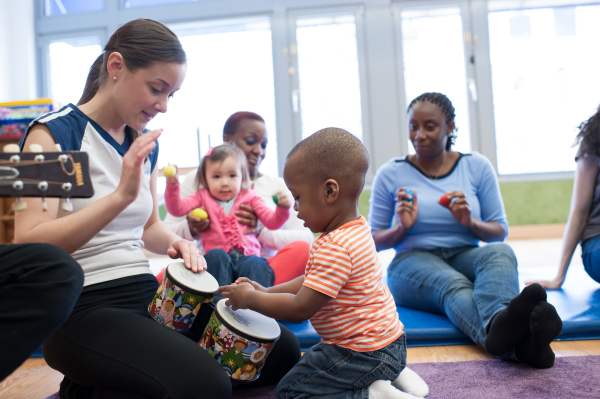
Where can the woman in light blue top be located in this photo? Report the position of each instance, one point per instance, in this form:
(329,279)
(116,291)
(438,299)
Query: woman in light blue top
(433,208)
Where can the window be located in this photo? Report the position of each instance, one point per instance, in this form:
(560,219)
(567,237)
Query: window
(144,3)
(545,83)
(328,74)
(230,69)
(70,61)
(62,7)
(434,61)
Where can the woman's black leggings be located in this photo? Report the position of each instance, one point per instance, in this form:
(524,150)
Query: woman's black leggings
(110,348)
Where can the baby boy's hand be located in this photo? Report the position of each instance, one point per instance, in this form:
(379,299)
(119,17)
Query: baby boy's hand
(254,284)
(282,200)
(237,295)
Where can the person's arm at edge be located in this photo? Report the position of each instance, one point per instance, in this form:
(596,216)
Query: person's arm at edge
(74,231)
(586,174)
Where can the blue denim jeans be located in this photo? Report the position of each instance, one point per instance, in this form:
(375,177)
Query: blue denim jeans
(227,267)
(331,371)
(590,254)
(467,284)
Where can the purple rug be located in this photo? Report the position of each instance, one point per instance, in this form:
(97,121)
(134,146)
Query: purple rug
(571,377)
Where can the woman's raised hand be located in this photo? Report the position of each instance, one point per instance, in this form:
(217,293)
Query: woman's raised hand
(131,174)
(406,210)
(186,250)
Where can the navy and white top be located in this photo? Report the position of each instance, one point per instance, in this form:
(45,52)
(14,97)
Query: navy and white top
(435,226)
(116,251)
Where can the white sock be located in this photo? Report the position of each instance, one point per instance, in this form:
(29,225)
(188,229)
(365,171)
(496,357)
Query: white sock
(410,382)
(382,389)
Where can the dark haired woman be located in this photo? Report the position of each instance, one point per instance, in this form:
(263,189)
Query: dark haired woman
(109,347)
(439,266)
(583,225)
(285,250)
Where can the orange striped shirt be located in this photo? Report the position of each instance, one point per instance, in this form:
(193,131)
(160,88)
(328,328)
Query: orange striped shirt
(344,265)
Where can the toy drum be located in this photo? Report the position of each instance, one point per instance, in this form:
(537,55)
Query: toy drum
(180,295)
(240,340)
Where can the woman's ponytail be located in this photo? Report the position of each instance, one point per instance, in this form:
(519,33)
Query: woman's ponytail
(93,80)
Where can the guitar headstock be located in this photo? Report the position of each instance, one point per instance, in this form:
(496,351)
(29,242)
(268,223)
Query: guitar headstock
(63,174)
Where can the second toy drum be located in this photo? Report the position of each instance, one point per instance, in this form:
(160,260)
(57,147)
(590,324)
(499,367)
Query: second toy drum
(240,340)
(180,295)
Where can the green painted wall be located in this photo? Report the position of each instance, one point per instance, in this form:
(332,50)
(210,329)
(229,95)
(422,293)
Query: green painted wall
(526,203)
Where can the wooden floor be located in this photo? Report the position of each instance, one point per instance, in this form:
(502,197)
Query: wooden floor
(35,380)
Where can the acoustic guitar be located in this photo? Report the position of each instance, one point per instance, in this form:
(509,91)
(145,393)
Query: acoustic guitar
(62,174)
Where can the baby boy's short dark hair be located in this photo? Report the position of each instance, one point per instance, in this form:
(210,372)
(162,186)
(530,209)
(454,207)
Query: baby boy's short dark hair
(334,153)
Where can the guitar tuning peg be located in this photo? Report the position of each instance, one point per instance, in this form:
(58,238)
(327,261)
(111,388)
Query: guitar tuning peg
(44,204)
(67,205)
(36,148)
(19,205)
(11,148)
(58,147)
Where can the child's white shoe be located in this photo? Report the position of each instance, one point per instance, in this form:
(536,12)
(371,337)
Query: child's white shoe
(382,389)
(410,382)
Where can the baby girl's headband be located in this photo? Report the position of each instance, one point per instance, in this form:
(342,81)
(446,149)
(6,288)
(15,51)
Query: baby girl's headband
(210,150)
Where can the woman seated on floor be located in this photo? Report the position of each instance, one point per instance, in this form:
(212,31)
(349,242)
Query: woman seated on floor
(583,225)
(433,208)
(110,347)
(286,249)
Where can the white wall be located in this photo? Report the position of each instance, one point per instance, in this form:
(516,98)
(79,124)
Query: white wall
(17,51)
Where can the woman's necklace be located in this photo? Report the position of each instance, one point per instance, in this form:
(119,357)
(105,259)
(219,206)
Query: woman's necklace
(439,170)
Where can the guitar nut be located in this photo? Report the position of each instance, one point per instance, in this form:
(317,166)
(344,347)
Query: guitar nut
(18,185)
(67,186)
(39,158)
(15,159)
(43,186)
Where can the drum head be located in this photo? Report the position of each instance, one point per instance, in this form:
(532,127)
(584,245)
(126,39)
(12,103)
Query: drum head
(248,323)
(200,283)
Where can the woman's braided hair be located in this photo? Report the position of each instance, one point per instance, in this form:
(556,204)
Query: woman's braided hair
(589,136)
(447,108)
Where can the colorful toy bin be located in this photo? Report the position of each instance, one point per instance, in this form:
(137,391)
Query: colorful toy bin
(240,340)
(180,295)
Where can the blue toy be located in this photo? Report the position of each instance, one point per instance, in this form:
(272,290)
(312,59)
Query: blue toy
(412,195)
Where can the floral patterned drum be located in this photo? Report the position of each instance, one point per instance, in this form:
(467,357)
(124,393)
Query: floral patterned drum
(240,340)
(180,295)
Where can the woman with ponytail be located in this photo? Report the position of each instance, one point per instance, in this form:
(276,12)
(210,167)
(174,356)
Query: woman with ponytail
(109,347)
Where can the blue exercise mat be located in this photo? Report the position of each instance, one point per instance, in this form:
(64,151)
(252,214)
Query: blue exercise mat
(577,303)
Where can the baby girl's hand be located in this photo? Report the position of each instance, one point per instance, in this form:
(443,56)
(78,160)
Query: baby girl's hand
(254,284)
(171,172)
(282,200)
